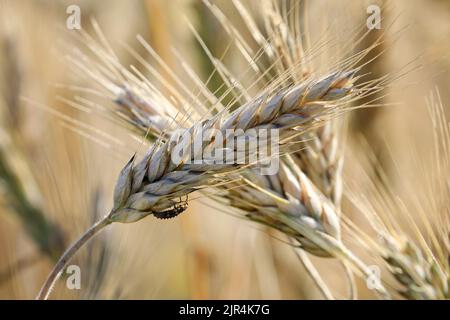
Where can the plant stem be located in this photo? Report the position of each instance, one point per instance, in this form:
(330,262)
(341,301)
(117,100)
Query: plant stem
(312,271)
(67,255)
(353,292)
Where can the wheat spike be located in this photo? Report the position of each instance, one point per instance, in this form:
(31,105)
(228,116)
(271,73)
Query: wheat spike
(155,182)
(421,278)
(289,194)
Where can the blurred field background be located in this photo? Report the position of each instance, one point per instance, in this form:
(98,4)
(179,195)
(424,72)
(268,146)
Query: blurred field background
(65,172)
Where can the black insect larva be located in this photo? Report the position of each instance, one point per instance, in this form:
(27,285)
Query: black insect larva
(173,212)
